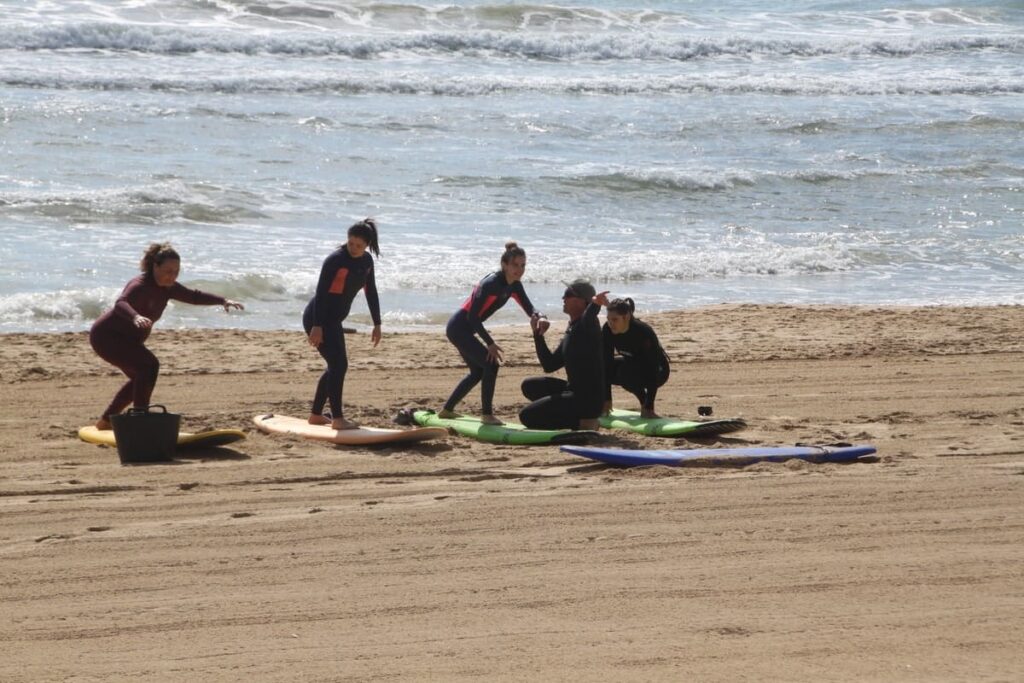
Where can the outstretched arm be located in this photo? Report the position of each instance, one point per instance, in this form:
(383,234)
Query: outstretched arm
(180,292)
(519,294)
(373,303)
(549,360)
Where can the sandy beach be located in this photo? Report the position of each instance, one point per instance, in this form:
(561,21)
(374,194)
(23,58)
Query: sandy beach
(280,559)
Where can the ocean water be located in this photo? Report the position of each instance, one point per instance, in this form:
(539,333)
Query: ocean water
(683,153)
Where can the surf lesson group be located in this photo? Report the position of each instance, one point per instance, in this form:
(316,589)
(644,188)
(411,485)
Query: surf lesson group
(625,351)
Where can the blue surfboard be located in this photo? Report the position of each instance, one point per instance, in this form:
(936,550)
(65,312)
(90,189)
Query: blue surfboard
(710,457)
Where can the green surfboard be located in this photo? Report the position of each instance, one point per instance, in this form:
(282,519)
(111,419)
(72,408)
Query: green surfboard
(509,433)
(666,426)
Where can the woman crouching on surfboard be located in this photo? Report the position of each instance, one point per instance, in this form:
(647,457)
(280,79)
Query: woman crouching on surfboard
(467,323)
(633,357)
(119,335)
(346,272)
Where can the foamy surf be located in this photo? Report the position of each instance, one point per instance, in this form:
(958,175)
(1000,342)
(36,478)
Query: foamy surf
(853,153)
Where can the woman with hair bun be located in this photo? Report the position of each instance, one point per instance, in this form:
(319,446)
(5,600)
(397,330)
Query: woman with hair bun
(346,272)
(119,335)
(633,357)
(466,330)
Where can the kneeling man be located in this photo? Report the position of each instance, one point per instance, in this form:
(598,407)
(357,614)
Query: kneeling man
(576,403)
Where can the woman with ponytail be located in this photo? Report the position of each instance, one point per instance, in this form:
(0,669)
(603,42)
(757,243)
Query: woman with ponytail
(466,331)
(346,272)
(119,335)
(633,356)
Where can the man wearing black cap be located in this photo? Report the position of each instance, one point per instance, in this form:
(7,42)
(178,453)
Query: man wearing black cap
(576,403)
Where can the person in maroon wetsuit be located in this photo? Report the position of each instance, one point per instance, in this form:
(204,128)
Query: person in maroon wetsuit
(345,273)
(119,335)
(467,324)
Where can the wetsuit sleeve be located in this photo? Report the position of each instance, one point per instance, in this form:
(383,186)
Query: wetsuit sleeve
(372,298)
(519,294)
(653,354)
(608,355)
(180,292)
(549,360)
(122,308)
(476,304)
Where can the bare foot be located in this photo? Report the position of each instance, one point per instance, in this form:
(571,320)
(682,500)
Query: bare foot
(342,423)
(590,423)
(490,420)
(103,424)
(448,414)
(315,419)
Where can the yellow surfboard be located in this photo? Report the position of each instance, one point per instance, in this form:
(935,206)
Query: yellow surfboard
(207,439)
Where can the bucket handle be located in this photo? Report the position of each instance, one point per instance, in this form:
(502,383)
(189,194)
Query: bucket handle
(147,409)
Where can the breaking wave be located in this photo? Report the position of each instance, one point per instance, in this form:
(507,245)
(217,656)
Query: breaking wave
(415,84)
(534,46)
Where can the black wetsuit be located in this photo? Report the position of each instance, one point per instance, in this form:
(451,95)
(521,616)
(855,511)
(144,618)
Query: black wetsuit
(116,339)
(635,361)
(467,323)
(341,278)
(561,404)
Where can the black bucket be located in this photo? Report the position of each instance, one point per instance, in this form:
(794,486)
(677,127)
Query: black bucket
(146,435)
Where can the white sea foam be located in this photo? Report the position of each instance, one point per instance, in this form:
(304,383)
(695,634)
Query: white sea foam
(23,310)
(549,47)
(683,153)
(938,84)
(157,203)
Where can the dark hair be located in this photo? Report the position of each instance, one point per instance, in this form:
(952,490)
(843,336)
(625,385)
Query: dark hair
(155,255)
(366,230)
(623,306)
(512,250)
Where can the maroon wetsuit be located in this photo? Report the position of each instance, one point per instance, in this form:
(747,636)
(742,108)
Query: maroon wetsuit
(118,341)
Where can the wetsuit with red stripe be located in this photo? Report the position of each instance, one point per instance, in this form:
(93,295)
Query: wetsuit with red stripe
(342,277)
(467,324)
(116,339)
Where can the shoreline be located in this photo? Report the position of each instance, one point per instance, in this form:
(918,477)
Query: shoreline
(720,333)
(359,323)
(456,559)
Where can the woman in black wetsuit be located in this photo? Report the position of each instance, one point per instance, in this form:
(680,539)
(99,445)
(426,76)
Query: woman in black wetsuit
(633,357)
(467,324)
(344,273)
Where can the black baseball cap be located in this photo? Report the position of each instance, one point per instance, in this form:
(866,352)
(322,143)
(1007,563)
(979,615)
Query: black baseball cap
(579,288)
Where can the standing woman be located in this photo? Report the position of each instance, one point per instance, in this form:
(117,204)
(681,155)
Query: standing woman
(467,324)
(633,357)
(119,335)
(344,273)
